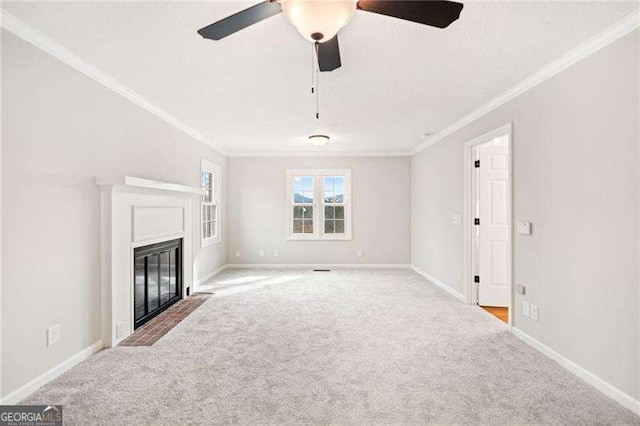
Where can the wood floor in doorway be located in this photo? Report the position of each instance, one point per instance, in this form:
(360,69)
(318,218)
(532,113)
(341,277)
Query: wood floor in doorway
(501,313)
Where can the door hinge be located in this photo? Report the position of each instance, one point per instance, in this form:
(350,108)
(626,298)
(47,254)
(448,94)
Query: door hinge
(476,279)
(476,164)
(476,221)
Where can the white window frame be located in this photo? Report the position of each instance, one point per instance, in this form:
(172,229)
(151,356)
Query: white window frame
(215,170)
(318,204)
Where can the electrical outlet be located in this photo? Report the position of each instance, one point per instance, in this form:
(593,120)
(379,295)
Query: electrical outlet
(237,253)
(458,275)
(534,312)
(525,308)
(523,228)
(276,252)
(119,330)
(456,219)
(359,252)
(261,253)
(53,335)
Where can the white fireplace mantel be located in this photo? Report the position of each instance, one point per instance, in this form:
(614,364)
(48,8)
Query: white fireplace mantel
(148,183)
(136,212)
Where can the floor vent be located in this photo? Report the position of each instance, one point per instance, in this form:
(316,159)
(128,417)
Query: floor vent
(322,270)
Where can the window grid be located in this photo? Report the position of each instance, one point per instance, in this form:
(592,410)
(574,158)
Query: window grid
(333,204)
(209,205)
(319,204)
(303,197)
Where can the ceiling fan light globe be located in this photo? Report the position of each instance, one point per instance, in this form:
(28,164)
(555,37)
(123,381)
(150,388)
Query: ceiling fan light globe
(324,17)
(318,140)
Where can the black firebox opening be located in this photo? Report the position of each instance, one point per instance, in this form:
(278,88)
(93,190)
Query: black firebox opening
(157,279)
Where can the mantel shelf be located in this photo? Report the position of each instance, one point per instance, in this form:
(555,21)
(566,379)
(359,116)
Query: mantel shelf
(148,183)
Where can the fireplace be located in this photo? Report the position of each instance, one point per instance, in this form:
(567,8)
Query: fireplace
(147,233)
(157,279)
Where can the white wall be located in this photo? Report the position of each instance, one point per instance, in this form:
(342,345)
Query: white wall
(60,129)
(381,211)
(576,177)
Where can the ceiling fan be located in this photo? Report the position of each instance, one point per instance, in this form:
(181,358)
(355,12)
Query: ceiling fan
(320,20)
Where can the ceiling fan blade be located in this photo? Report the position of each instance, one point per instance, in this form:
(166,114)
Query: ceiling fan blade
(431,12)
(329,55)
(240,20)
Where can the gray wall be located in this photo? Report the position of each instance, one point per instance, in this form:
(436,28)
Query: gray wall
(576,152)
(576,177)
(381,211)
(60,129)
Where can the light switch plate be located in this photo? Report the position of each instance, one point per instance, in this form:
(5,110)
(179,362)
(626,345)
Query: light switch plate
(525,308)
(534,312)
(520,289)
(524,228)
(53,335)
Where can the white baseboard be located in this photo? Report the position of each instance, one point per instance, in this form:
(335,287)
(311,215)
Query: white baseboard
(439,283)
(317,266)
(603,386)
(26,390)
(207,277)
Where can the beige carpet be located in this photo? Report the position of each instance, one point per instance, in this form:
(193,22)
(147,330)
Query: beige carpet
(339,347)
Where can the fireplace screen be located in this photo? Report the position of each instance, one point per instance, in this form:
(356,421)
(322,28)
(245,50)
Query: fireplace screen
(158,279)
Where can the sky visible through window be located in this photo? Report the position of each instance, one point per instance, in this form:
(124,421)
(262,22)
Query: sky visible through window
(303,189)
(333,189)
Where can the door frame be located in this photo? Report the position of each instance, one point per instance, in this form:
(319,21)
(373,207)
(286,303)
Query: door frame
(468,215)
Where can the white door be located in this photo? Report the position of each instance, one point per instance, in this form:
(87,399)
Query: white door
(494,232)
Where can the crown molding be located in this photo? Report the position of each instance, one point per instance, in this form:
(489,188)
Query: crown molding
(241,154)
(29,34)
(616,31)
(26,32)
(21,29)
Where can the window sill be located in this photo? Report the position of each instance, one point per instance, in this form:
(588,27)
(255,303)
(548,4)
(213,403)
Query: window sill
(209,242)
(317,238)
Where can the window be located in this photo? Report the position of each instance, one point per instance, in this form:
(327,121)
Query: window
(319,204)
(333,189)
(303,205)
(210,205)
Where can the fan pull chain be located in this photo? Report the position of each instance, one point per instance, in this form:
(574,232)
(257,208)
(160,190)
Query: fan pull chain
(317,70)
(313,53)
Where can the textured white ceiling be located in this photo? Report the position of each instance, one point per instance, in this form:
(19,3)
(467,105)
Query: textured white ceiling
(251,91)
